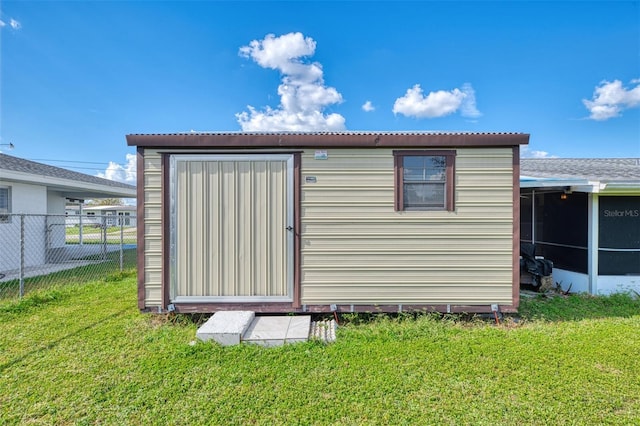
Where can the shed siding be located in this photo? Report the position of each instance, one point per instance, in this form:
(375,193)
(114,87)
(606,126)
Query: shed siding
(152,228)
(357,250)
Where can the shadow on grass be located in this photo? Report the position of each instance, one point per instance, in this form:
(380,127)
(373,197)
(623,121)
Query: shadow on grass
(56,342)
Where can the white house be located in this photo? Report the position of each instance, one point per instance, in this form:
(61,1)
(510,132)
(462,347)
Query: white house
(109,212)
(584,215)
(40,192)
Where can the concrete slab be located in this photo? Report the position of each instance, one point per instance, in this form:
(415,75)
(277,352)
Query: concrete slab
(226,327)
(278,330)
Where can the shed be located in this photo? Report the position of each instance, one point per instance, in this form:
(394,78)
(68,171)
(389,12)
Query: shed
(584,215)
(321,222)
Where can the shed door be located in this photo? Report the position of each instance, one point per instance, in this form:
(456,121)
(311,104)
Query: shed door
(231,222)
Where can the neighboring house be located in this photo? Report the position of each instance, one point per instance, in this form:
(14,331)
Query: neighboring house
(41,192)
(584,216)
(317,222)
(94,214)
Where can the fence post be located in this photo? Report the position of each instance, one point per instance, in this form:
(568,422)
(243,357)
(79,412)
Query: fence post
(104,237)
(121,218)
(47,239)
(80,230)
(21,256)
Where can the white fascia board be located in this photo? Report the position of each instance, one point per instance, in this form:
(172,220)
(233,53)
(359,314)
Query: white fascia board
(535,182)
(624,188)
(590,188)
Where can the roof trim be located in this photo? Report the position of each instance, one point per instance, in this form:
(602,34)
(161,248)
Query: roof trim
(329,139)
(581,185)
(533,182)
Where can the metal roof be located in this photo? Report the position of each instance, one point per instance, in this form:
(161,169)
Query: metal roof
(345,139)
(347,133)
(70,183)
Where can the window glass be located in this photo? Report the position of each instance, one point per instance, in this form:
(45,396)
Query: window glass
(424,195)
(431,168)
(4,200)
(424,180)
(5,204)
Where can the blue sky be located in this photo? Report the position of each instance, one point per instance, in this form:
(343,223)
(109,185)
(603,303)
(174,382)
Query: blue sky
(77,76)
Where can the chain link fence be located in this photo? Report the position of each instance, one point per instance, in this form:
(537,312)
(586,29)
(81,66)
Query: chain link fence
(43,251)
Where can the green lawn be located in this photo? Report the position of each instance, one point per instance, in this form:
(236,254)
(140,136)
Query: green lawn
(94,235)
(84,355)
(108,265)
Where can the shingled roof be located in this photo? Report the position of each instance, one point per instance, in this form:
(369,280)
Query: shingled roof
(68,183)
(8,162)
(592,169)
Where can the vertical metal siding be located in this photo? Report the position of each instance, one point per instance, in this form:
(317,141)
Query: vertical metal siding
(357,249)
(152,228)
(230,236)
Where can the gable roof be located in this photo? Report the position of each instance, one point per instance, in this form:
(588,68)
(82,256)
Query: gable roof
(599,174)
(71,184)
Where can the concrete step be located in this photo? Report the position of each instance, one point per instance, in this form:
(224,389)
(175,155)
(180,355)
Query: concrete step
(278,330)
(226,327)
(232,327)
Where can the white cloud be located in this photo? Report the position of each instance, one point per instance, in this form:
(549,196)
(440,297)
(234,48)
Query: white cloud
(15,25)
(368,106)
(610,98)
(468,107)
(437,104)
(120,173)
(526,152)
(303,95)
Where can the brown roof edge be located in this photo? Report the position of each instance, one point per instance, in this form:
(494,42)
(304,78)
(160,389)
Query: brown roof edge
(341,140)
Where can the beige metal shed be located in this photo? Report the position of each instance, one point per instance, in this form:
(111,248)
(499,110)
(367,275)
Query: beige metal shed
(317,222)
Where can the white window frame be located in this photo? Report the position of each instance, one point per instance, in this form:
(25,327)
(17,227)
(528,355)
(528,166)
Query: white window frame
(5,210)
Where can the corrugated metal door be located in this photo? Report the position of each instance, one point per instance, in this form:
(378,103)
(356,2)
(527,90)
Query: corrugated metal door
(231,221)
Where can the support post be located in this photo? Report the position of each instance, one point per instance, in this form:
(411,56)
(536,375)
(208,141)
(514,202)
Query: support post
(22,244)
(533,218)
(104,237)
(80,222)
(121,219)
(593,242)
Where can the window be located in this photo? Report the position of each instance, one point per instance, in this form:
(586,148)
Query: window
(5,204)
(424,180)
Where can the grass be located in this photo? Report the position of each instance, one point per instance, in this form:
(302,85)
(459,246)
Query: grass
(580,307)
(10,289)
(94,234)
(96,229)
(85,355)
